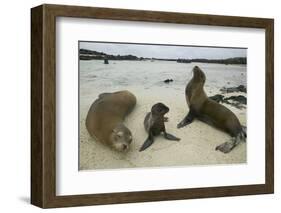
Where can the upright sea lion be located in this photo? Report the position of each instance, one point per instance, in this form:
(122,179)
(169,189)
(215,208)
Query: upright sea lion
(154,125)
(211,112)
(105,119)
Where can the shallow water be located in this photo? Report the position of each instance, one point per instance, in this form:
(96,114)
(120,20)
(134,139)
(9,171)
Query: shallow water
(95,76)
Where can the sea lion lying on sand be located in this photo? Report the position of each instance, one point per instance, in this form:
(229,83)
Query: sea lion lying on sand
(211,112)
(105,119)
(154,125)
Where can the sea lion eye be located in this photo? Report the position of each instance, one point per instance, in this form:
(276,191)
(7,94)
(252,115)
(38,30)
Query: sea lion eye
(119,134)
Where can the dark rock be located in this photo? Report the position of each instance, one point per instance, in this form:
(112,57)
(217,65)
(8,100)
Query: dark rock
(240,88)
(218,98)
(237,101)
(168,81)
(106,61)
(240,99)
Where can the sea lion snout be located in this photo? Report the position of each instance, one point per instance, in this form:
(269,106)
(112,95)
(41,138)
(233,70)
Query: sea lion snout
(198,74)
(121,138)
(196,67)
(197,70)
(121,147)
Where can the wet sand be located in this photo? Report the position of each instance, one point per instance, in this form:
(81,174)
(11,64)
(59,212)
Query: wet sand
(196,147)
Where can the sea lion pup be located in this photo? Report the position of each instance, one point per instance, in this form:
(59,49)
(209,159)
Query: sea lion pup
(211,112)
(105,119)
(154,125)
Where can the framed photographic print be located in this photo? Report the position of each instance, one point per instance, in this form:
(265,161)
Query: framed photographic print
(136,106)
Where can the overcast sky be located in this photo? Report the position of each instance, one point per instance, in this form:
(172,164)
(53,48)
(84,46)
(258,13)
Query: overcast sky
(160,51)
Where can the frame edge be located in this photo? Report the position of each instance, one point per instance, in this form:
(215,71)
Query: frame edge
(269,34)
(37,190)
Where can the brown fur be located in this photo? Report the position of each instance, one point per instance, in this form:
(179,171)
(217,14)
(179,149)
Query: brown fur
(154,125)
(107,114)
(208,110)
(211,112)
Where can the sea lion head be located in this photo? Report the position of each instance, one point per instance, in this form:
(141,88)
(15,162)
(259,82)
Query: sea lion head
(159,109)
(198,75)
(121,138)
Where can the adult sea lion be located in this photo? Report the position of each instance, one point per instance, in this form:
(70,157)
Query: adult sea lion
(105,119)
(154,125)
(211,112)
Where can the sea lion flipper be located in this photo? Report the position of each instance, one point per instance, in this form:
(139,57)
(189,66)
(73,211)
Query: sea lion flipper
(148,142)
(187,119)
(228,146)
(171,137)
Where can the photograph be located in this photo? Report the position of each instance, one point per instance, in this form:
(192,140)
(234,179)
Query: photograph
(159,105)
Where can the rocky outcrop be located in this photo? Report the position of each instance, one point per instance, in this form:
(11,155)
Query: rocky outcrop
(238,101)
(168,81)
(240,88)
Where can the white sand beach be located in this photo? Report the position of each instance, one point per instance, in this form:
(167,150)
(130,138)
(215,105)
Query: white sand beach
(145,80)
